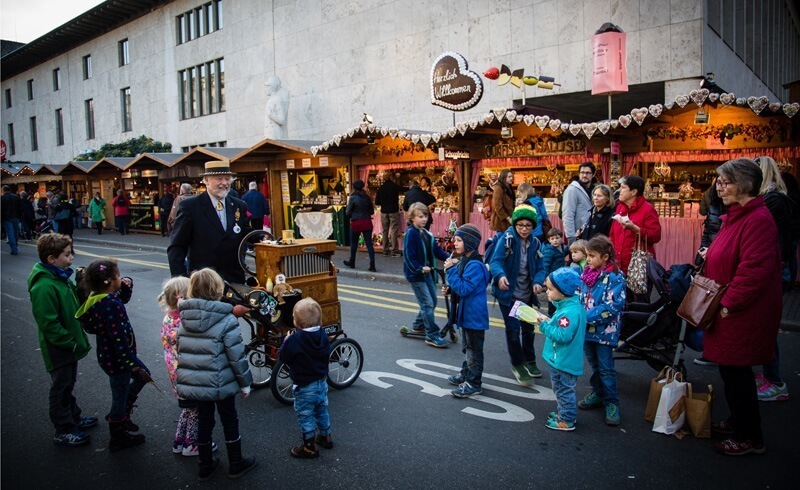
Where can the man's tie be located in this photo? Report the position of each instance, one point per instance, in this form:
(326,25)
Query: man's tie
(220,207)
(221,214)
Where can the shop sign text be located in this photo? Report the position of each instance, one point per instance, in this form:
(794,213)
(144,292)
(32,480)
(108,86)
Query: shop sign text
(453,86)
(535,148)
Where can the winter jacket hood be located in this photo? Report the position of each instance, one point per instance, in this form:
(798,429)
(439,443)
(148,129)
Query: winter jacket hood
(470,286)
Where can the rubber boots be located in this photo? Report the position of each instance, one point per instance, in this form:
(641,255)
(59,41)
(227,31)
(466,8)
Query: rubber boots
(120,437)
(131,427)
(237,465)
(208,463)
(306,450)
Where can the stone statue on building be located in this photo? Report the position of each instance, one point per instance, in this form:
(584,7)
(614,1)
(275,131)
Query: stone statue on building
(277,109)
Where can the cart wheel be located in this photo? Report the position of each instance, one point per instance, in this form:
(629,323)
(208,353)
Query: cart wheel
(261,368)
(247,254)
(282,384)
(344,363)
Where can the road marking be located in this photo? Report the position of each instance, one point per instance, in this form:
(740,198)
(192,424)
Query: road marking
(14,297)
(408,307)
(147,263)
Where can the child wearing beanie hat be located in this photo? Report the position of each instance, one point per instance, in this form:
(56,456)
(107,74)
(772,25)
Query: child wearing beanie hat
(524,211)
(563,349)
(469,280)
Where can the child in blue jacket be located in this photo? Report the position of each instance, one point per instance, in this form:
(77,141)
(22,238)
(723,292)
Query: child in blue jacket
(468,278)
(554,254)
(563,349)
(603,296)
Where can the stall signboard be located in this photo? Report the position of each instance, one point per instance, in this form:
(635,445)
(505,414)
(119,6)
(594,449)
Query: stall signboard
(453,85)
(143,216)
(289,163)
(323,161)
(306,162)
(445,154)
(149,173)
(535,148)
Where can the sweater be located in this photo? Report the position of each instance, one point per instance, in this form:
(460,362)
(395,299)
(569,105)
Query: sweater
(306,353)
(419,250)
(470,286)
(104,316)
(604,303)
(564,333)
(257,204)
(54,301)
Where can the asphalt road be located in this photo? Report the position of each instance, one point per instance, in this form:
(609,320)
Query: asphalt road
(396,427)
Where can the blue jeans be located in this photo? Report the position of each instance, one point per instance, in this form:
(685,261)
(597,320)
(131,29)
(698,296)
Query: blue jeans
(124,385)
(425,291)
(12,231)
(519,338)
(472,347)
(227,415)
(564,388)
(772,370)
(604,375)
(311,407)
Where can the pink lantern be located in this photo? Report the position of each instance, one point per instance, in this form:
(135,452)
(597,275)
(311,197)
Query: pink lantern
(609,68)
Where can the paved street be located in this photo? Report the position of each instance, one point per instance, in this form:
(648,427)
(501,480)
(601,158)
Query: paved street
(396,427)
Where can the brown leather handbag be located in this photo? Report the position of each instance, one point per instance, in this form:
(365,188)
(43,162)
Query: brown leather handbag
(701,303)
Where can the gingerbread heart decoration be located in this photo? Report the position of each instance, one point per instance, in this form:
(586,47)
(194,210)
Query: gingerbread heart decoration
(371,127)
(351,132)
(713,97)
(337,139)
(727,99)
(614,123)
(625,120)
(488,118)
(589,129)
(403,135)
(541,121)
(565,127)
(757,103)
(393,133)
(527,119)
(604,126)
(452,132)
(384,131)
(791,109)
(655,110)
(511,115)
(775,106)
(326,145)
(473,123)
(574,129)
(424,139)
(449,72)
(669,105)
(435,137)
(314,150)
(499,113)
(699,96)
(641,113)
(363,126)
(741,101)
(415,138)
(555,124)
(462,128)
(682,100)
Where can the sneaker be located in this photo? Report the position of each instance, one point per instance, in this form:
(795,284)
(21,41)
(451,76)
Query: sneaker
(770,392)
(177,446)
(552,415)
(558,424)
(87,422)
(702,361)
(533,371)
(193,450)
(722,427)
(455,380)
(466,390)
(590,401)
(397,254)
(735,448)
(75,438)
(387,253)
(760,379)
(612,414)
(436,341)
(522,375)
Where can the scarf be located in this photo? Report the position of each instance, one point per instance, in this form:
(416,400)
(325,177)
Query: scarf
(590,276)
(58,272)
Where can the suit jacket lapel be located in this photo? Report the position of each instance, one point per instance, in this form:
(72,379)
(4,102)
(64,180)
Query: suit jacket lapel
(211,214)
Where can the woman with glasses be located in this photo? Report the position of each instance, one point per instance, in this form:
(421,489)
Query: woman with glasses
(598,221)
(635,221)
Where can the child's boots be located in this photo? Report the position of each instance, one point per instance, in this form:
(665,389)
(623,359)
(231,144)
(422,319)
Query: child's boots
(208,463)
(129,406)
(120,437)
(237,465)
(324,441)
(306,450)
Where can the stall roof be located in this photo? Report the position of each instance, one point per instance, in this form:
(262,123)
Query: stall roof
(54,169)
(202,154)
(166,159)
(268,148)
(121,162)
(86,165)
(12,168)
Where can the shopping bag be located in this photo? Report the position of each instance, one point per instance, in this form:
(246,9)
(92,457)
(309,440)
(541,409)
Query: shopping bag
(637,268)
(671,412)
(656,384)
(701,303)
(698,411)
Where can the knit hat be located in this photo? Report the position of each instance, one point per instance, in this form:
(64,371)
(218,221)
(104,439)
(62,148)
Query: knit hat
(566,280)
(524,211)
(470,235)
(358,185)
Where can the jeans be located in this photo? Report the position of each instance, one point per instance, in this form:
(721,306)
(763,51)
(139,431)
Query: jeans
(11,226)
(519,338)
(425,291)
(354,235)
(742,396)
(311,407)
(472,347)
(564,388)
(64,411)
(390,224)
(123,386)
(123,223)
(227,415)
(772,370)
(604,375)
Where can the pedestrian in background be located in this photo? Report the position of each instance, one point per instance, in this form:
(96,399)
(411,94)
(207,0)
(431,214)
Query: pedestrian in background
(122,213)
(28,215)
(359,210)
(598,221)
(526,194)
(97,212)
(185,193)
(62,341)
(554,254)
(257,206)
(11,209)
(65,216)
(502,201)
(388,198)
(164,208)
(636,221)
(418,193)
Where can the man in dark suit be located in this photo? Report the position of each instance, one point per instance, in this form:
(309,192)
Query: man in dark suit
(209,228)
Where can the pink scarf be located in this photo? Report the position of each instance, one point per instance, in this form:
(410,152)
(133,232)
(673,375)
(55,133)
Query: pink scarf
(590,276)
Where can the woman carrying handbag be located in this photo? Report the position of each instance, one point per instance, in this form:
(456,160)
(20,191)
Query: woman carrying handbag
(359,210)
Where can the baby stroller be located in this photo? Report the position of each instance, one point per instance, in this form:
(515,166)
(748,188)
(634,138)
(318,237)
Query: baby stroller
(652,331)
(41,226)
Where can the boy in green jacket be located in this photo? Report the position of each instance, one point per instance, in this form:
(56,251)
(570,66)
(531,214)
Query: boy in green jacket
(61,339)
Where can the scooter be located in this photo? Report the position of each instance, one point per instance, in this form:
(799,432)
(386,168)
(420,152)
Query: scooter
(451,304)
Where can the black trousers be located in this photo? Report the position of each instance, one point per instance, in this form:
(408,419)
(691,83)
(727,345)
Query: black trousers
(227,415)
(64,411)
(742,396)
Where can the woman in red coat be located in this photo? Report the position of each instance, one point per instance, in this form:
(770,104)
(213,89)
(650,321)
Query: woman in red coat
(635,219)
(122,213)
(745,256)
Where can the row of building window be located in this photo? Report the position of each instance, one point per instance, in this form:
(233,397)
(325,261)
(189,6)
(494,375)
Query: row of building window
(199,21)
(202,89)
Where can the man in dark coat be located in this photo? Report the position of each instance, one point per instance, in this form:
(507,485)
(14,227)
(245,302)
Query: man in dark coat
(257,206)
(164,207)
(388,198)
(209,228)
(418,194)
(12,212)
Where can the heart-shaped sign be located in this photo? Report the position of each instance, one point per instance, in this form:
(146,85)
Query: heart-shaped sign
(655,110)
(453,85)
(452,132)
(326,145)
(641,113)
(589,129)
(669,105)
(462,128)
(699,96)
(499,113)
(775,106)
(351,132)
(371,127)
(682,100)
(757,103)
(527,119)
(625,120)
(614,123)
(565,127)
(337,139)
(425,139)
(415,138)
(791,109)
(384,131)
(403,135)
(604,126)
(511,115)
(554,124)
(575,129)
(393,132)
(363,126)
(473,123)
(741,101)
(541,121)
(436,137)
(727,99)
(488,118)
(314,150)
(713,97)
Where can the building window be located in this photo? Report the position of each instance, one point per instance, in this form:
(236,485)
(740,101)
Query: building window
(124,55)
(12,147)
(198,22)
(56,79)
(202,89)
(59,127)
(30,89)
(126,109)
(8,98)
(89,109)
(87,67)
(34,136)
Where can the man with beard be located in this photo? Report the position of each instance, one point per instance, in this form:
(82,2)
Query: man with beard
(577,201)
(209,228)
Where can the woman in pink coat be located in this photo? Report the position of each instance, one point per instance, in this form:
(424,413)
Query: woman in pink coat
(638,221)
(745,256)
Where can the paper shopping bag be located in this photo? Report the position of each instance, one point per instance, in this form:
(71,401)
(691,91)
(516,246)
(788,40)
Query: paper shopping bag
(698,411)
(671,412)
(656,384)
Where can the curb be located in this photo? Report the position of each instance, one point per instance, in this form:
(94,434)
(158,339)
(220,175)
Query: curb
(127,246)
(790,325)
